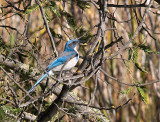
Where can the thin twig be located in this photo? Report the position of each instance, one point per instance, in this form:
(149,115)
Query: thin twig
(102,108)
(47,28)
(127,84)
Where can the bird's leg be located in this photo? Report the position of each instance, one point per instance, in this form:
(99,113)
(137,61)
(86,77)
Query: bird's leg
(57,81)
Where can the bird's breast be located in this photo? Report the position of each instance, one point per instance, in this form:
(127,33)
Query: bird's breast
(70,64)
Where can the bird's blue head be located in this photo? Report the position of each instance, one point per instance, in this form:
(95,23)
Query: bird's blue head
(71,45)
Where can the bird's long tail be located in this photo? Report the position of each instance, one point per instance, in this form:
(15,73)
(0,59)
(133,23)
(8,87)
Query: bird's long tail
(45,75)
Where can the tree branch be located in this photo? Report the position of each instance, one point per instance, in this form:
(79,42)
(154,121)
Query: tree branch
(47,27)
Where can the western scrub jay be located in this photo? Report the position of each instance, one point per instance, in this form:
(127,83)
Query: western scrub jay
(65,61)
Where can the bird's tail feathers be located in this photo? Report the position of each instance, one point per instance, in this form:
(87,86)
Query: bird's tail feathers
(45,75)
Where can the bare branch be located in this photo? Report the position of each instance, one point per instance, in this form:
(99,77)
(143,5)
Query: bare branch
(47,28)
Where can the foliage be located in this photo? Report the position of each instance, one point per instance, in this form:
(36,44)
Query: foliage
(121,58)
(142,92)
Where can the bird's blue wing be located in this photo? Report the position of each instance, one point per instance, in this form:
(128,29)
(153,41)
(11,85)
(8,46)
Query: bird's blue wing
(60,60)
(45,75)
(53,64)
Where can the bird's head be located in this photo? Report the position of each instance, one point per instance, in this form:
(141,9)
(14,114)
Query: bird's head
(71,45)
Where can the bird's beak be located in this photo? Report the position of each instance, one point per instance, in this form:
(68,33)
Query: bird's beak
(83,43)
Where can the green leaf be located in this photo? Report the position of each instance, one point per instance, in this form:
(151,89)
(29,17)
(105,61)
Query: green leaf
(130,36)
(142,93)
(31,8)
(135,54)
(4,117)
(146,49)
(2,114)
(54,8)
(12,40)
(82,4)
(127,91)
(11,109)
(48,14)
(140,68)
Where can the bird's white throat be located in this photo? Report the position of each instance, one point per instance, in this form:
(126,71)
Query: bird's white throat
(76,49)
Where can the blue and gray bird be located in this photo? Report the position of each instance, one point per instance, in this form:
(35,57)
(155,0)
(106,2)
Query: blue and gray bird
(65,61)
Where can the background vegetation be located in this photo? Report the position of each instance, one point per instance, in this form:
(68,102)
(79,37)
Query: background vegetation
(118,74)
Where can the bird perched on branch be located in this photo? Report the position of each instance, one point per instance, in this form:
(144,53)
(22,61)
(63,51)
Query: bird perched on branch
(65,61)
